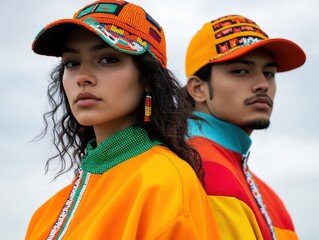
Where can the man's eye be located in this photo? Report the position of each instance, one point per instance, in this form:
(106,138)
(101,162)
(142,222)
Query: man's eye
(269,74)
(239,71)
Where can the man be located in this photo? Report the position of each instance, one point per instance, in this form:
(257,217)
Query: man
(231,66)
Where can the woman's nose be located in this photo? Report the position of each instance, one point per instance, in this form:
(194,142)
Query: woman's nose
(85,76)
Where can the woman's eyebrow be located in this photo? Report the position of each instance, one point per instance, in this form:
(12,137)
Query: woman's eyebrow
(92,49)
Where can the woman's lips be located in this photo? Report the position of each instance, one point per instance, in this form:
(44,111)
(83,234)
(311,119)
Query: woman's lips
(86,99)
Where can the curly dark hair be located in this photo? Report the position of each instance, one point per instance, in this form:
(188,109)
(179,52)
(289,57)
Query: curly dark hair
(168,121)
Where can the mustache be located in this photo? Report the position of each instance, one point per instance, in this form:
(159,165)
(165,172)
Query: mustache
(257,97)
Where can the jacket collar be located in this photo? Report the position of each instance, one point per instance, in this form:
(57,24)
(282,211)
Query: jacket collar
(225,134)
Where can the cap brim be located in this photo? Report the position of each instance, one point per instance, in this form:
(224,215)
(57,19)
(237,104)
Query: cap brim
(50,41)
(287,54)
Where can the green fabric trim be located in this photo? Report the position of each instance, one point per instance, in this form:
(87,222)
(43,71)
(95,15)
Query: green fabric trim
(116,149)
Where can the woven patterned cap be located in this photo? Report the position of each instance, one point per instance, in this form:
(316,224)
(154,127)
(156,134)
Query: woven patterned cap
(232,36)
(123,25)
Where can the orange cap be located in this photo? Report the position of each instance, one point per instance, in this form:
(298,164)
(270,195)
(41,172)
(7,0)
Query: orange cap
(232,36)
(123,25)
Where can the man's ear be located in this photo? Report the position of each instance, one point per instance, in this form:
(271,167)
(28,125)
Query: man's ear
(197,89)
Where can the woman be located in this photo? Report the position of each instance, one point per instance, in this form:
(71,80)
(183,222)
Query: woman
(119,118)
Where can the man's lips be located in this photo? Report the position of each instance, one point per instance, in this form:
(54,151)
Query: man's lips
(86,98)
(259,99)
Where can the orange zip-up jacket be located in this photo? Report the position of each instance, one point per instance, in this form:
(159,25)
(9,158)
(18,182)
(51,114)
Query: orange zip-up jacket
(128,188)
(222,147)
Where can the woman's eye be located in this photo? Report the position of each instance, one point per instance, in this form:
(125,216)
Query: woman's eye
(108,60)
(70,64)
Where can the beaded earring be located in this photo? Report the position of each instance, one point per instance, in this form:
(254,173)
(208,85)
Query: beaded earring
(148,107)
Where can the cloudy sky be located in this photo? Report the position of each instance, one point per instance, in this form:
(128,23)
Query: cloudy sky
(285,156)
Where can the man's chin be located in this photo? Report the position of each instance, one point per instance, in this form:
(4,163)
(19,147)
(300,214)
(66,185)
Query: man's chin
(256,124)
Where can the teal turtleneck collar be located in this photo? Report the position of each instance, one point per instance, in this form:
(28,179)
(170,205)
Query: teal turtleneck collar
(225,134)
(116,149)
